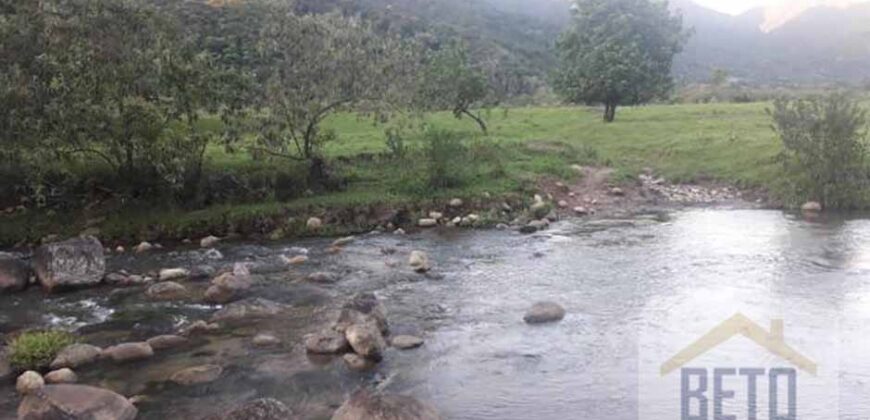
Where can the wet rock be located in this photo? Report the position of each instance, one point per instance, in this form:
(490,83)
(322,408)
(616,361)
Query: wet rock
(297,260)
(75,402)
(165,342)
(811,207)
(209,241)
(73,263)
(469,220)
(502,226)
(617,192)
(14,274)
(427,223)
(539,209)
(76,355)
(197,328)
(61,376)
(256,308)
(170,274)
(262,409)
(528,229)
(120,249)
(366,340)
(340,242)
(405,342)
(544,312)
(205,271)
(357,362)
(127,352)
(314,223)
(167,291)
(436,215)
(29,382)
(456,203)
(581,211)
(399,231)
(265,340)
(326,342)
(365,405)
(143,247)
(197,375)
(322,277)
(419,261)
(228,287)
(362,308)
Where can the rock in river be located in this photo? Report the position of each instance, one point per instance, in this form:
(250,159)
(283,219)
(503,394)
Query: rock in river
(363,308)
(73,263)
(75,402)
(76,355)
(366,340)
(166,291)
(197,375)
(228,287)
(405,342)
(14,274)
(365,405)
(61,376)
(256,308)
(164,342)
(29,382)
(419,261)
(170,274)
(811,207)
(322,277)
(543,312)
(209,241)
(262,409)
(326,342)
(127,352)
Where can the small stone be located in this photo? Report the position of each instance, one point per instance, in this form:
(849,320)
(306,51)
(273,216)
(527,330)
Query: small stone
(297,260)
(209,241)
(581,211)
(366,340)
(357,362)
(502,226)
(811,207)
(578,169)
(197,375)
(322,277)
(326,342)
(544,312)
(165,342)
(314,223)
(456,220)
(456,202)
(198,327)
(436,215)
(143,247)
(399,231)
(167,291)
(405,342)
(120,249)
(427,223)
(127,352)
(419,261)
(333,250)
(343,241)
(61,376)
(76,355)
(170,274)
(265,340)
(616,191)
(562,187)
(29,382)
(563,204)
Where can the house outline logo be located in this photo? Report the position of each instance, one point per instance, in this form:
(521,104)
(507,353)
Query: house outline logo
(773,341)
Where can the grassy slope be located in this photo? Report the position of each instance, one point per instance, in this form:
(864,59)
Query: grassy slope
(727,142)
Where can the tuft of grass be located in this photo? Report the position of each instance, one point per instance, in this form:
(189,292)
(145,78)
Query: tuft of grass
(35,350)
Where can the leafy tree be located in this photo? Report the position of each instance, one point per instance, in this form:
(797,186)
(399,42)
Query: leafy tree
(451,81)
(618,52)
(719,77)
(316,65)
(825,150)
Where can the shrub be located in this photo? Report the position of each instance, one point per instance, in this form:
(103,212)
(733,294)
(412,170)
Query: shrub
(445,155)
(35,350)
(824,149)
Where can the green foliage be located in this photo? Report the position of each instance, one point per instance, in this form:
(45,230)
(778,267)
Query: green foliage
(395,143)
(34,350)
(825,151)
(618,52)
(450,81)
(445,155)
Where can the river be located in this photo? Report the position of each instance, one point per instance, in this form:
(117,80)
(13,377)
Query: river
(635,290)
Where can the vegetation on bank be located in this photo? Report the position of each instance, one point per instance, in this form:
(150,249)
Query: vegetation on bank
(35,350)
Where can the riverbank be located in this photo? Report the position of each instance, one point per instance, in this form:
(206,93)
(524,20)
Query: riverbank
(528,151)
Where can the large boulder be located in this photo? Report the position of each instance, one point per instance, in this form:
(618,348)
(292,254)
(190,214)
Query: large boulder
(75,402)
(167,291)
(127,352)
(74,263)
(257,308)
(544,312)
(76,355)
(419,261)
(366,340)
(364,405)
(228,287)
(262,409)
(14,274)
(29,382)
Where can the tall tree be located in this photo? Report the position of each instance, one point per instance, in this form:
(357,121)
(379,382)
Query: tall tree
(618,52)
(451,81)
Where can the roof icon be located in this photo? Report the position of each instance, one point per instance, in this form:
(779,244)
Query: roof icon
(773,341)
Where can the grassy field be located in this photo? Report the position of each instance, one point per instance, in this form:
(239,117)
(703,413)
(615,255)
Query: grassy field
(731,143)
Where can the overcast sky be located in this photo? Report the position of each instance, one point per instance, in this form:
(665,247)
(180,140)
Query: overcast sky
(739,6)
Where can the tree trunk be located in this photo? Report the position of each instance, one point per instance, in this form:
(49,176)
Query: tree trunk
(609,112)
(478,120)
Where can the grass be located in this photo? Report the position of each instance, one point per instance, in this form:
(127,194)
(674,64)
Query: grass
(35,350)
(731,143)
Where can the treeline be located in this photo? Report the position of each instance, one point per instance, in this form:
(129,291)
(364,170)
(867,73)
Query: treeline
(121,87)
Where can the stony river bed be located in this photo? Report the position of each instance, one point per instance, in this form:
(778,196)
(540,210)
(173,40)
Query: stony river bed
(628,285)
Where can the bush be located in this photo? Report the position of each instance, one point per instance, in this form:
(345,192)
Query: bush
(445,155)
(824,149)
(35,350)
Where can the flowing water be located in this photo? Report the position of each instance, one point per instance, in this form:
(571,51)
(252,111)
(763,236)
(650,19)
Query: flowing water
(635,291)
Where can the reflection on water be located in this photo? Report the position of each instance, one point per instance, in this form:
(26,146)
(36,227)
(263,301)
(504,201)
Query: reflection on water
(621,282)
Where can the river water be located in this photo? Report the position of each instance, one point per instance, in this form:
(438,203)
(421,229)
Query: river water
(636,291)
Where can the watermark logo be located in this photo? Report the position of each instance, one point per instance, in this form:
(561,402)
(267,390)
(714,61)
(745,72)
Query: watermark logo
(736,370)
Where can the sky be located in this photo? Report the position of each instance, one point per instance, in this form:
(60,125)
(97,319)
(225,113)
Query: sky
(739,6)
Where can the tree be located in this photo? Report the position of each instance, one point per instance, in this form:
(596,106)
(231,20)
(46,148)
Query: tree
(618,52)
(450,81)
(824,149)
(719,77)
(314,66)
